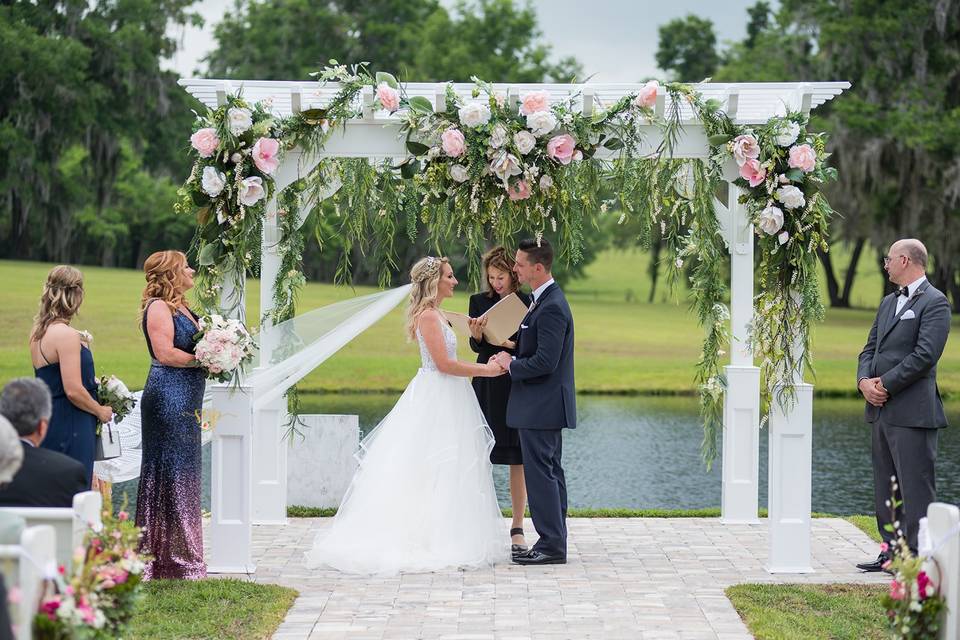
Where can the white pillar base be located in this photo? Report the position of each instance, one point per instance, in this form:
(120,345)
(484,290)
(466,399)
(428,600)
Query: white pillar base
(790,469)
(741,446)
(229,532)
(943,566)
(322,462)
(269,464)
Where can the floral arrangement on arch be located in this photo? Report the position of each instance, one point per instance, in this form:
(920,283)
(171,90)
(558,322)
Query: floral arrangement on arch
(782,168)
(488,152)
(97,601)
(236,149)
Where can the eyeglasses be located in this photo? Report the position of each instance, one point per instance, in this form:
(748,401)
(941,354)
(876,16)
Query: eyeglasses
(887,259)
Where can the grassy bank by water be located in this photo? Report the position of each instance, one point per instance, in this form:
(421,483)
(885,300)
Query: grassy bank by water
(624,344)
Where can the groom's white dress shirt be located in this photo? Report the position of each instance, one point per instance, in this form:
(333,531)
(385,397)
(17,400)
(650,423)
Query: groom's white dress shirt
(539,290)
(912,288)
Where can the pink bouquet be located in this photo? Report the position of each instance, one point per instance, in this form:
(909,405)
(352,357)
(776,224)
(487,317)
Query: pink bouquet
(224,347)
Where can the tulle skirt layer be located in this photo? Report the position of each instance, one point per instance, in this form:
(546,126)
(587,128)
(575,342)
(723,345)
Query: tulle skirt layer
(422,498)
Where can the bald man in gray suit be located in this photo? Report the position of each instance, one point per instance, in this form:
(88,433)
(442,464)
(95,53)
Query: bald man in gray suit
(897,376)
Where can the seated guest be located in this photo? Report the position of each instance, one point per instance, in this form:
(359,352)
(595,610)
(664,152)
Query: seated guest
(46,478)
(11,526)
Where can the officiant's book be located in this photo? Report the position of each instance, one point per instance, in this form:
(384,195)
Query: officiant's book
(503,320)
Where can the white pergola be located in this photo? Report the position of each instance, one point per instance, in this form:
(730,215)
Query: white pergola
(249,455)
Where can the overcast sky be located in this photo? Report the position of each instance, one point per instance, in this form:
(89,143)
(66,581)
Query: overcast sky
(614,39)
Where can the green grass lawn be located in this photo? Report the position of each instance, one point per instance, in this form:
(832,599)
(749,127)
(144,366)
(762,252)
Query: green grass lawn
(624,344)
(212,608)
(811,612)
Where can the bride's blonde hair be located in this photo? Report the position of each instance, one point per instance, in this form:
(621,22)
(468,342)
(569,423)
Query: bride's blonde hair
(425,278)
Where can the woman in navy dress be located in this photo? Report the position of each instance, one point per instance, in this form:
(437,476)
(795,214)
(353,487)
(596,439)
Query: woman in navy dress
(62,358)
(168,499)
(493,393)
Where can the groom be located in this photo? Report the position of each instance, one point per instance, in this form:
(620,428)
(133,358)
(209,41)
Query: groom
(542,400)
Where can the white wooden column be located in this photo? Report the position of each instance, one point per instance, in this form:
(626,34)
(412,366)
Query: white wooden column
(790,468)
(943,563)
(229,532)
(741,405)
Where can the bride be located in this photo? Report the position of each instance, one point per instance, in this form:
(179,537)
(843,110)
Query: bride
(423,498)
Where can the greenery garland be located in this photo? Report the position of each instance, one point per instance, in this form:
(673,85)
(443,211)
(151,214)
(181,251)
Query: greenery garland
(489,167)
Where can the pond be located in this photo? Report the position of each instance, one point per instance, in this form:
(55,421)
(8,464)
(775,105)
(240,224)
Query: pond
(644,452)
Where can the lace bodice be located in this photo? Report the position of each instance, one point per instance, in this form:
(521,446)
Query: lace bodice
(449,339)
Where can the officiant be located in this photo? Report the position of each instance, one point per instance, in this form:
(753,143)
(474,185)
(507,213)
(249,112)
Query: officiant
(493,393)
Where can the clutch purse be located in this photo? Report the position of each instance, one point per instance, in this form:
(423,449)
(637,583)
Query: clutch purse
(108,442)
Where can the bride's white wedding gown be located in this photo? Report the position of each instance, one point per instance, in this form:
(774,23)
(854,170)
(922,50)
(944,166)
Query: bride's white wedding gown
(422,498)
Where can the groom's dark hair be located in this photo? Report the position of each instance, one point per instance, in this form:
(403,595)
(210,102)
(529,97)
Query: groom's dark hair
(539,252)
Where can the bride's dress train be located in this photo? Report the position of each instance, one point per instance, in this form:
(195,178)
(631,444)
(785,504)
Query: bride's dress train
(423,497)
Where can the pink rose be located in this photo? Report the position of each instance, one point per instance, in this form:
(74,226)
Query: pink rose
(803,157)
(647,96)
(923,581)
(388,96)
(745,147)
(453,143)
(123,515)
(752,172)
(562,148)
(205,141)
(897,591)
(535,101)
(266,152)
(519,191)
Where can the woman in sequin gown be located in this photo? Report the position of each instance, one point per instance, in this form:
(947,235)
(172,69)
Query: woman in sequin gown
(168,499)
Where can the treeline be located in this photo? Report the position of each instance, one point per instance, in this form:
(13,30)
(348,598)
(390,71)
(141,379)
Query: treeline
(94,131)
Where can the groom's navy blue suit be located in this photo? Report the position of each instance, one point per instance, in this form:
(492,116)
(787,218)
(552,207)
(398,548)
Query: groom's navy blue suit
(542,403)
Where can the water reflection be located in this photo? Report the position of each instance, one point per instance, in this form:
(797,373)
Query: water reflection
(643,452)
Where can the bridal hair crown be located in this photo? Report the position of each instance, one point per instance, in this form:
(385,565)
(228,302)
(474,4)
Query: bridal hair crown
(431,267)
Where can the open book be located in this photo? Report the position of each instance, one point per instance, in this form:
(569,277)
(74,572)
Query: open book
(503,320)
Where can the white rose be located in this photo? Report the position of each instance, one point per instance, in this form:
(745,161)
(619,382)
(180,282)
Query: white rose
(474,114)
(498,137)
(505,165)
(788,133)
(771,220)
(251,191)
(239,119)
(791,197)
(541,123)
(525,141)
(459,172)
(546,182)
(213,181)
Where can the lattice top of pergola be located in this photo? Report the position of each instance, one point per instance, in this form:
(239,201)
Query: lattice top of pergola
(745,102)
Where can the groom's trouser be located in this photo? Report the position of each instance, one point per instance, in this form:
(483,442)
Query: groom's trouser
(910,454)
(546,488)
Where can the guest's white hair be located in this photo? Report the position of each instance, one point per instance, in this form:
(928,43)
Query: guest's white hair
(11,451)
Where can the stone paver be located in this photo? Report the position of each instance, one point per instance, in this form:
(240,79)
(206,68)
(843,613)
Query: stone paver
(624,578)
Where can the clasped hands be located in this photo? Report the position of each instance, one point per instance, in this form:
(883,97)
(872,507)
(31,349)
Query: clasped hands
(502,359)
(874,391)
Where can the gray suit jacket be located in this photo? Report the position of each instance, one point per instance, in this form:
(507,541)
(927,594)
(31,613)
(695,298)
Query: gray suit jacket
(904,353)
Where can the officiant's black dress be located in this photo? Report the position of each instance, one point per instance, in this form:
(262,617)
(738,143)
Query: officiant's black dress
(493,393)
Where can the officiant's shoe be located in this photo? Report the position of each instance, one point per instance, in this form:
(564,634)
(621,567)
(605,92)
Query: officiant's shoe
(875,565)
(538,557)
(517,549)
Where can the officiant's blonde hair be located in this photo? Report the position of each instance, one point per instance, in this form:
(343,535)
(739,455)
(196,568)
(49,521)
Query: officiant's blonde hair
(425,278)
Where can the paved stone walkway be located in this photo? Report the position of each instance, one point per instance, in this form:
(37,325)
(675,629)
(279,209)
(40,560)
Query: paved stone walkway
(625,578)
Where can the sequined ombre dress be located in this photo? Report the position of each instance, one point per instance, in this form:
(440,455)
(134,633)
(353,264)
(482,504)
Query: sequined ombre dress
(168,500)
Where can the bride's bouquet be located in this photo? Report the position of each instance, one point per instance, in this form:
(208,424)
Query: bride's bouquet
(112,392)
(224,346)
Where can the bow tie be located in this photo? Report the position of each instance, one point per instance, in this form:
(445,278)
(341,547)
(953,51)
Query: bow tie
(904,291)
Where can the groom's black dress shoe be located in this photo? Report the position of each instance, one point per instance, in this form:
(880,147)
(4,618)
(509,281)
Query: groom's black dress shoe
(538,557)
(875,565)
